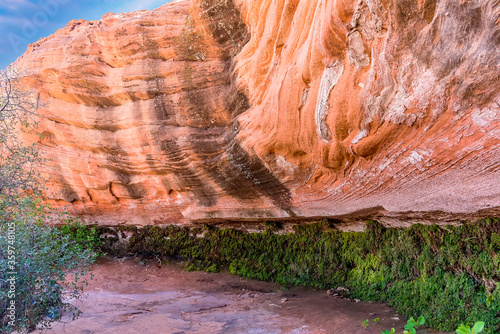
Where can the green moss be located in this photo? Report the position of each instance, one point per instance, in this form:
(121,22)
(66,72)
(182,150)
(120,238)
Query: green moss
(448,274)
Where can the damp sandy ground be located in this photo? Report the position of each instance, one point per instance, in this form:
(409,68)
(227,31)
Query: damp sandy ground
(127,297)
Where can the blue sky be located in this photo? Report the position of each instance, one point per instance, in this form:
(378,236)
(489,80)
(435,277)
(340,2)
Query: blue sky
(23,22)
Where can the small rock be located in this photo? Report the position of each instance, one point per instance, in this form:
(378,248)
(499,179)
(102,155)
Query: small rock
(329,292)
(395,318)
(341,288)
(284,300)
(357,300)
(372,314)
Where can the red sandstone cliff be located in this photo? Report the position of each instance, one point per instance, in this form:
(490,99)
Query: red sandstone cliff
(275,108)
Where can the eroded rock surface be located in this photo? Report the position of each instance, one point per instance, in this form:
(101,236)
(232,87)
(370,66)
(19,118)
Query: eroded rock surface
(261,109)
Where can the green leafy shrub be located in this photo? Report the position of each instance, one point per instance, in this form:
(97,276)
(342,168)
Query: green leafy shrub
(86,236)
(41,269)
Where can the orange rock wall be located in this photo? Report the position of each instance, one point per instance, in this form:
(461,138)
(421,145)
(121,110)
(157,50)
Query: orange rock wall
(263,109)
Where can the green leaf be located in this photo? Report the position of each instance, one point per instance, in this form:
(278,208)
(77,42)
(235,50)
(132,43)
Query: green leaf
(410,324)
(463,330)
(478,327)
(421,320)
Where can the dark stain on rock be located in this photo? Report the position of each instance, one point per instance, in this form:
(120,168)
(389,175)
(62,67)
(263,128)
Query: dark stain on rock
(224,22)
(236,102)
(47,138)
(200,109)
(203,110)
(231,34)
(429,8)
(239,174)
(123,177)
(254,170)
(68,194)
(157,167)
(188,178)
(135,190)
(117,165)
(160,108)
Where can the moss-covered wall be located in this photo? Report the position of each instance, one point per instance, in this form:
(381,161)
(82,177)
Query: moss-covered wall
(448,274)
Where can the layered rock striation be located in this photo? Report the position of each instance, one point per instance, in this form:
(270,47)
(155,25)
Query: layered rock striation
(274,109)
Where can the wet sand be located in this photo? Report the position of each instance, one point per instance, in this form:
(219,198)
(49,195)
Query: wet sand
(128,297)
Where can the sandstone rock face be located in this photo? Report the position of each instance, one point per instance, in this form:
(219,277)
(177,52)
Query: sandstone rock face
(210,110)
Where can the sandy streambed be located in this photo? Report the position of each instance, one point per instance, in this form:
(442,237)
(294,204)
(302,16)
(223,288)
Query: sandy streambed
(127,297)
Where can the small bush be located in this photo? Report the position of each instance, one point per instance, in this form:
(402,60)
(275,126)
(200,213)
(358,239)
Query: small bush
(42,268)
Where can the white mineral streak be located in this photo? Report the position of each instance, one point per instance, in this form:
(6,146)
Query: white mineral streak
(331,76)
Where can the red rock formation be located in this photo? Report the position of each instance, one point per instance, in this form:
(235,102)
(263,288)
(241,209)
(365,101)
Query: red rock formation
(352,109)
